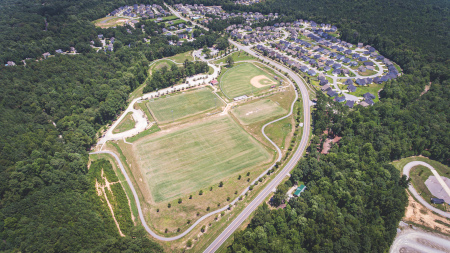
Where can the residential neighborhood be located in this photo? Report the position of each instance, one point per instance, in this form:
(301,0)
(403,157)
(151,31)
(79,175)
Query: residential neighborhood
(340,69)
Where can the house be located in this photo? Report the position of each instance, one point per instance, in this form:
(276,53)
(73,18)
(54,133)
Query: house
(351,88)
(348,82)
(437,201)
(10,63)
(304,69)
(58,51)
(368,95)
(369,101)
(100,36)
(325,87)
(326,68)
(299,190)
(323,82)
(332,93)
(362,69)
(47,54)
(336,72)
(311,72)
(350,103)
(360,82)
(214,82)
(353,64)
(360,45)
(363,58)
(340,99)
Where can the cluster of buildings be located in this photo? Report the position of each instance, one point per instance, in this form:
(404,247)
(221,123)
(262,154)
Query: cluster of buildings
(247,2)
(145,11)
(257,35)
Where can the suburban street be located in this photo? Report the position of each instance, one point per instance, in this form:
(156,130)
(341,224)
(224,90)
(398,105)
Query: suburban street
(215,245)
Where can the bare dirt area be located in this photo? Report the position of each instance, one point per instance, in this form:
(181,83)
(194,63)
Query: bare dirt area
(261,81)
(417,213)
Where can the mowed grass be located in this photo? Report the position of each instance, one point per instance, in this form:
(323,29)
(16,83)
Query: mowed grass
(258,111)
(236,81)
(126,124)
(195,157)
(183,105)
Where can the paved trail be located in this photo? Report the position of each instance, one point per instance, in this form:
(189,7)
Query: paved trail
(406,171)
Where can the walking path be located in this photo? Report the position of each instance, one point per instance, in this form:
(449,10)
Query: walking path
(406,171)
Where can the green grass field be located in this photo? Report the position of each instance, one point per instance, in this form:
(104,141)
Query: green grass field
(126,124)
(237,56)
(195,157)
(258,111)
(180,58)
(108,22)
(183,105)
(372,88)
(237,80)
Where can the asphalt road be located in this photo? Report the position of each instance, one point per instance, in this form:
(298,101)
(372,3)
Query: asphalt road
(413,191)
(289,166)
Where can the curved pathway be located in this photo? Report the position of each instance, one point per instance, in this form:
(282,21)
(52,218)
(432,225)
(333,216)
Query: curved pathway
(411,240)
(406,170)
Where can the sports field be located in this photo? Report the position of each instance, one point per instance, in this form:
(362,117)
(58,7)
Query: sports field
(244,78)
(186,160)
(183,105)
(258,111)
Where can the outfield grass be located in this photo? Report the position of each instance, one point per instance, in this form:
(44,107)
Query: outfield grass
(126,124)
(237,56)
(183,105)
(258,111)
(236,81)
(279,131)
(183,161)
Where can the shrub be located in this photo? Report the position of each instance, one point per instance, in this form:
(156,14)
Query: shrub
(220,184)
(228,198)
(189,243)
(188,221)
(210,188)
(180,201)
(157,210)
(198,213)
(248,174)
(248,179)
(207,209)
(222,213)
(178,229)
(239,177)
(190,196)
(166,231)
(251,187)
(235,192)
(169,205)
(203,229)
(200,192)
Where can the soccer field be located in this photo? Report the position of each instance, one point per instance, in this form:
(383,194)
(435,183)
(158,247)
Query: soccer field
(192,158)
(183,105)
(244,78)
(258,111)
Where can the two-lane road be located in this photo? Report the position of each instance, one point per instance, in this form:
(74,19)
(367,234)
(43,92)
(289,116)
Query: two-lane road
(289,166)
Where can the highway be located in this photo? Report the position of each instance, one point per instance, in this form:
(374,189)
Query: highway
(215,245)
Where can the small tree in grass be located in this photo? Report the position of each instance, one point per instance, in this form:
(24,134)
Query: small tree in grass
(188,221)
(248,179)
(157,210)
(207,209)
(166,231)
(200,192)
(228,198)
(169,205)
(203,229)
(230,61)
(190,196)
(248,174)
(239,177)
(210,188)
(189,243)
(178,230)
(220,184)
(198,213)
(235,192)
(180,201)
